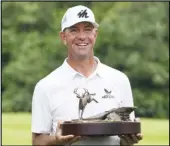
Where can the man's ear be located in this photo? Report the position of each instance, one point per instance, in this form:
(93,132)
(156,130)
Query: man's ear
(96,32)
(62,37)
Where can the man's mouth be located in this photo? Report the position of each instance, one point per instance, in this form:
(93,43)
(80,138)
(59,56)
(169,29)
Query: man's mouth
(82,44)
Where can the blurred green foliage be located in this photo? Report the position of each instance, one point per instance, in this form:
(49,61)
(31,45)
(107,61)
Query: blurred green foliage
(133,37)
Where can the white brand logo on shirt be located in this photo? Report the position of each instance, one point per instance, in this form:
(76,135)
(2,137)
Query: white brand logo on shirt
(108,94)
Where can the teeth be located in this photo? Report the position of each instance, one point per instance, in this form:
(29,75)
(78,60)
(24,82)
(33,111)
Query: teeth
(81,44)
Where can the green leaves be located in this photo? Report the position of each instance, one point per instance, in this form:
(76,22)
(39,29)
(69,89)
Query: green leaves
(132,37)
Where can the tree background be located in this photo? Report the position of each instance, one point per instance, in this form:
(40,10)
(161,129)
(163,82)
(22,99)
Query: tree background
(133,37)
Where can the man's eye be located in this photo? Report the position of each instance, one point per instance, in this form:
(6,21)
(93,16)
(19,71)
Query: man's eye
(88,29)
(72,30)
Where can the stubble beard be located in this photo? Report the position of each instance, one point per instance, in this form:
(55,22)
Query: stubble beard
(80,56)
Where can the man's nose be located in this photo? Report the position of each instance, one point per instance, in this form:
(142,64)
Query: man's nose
(82,35)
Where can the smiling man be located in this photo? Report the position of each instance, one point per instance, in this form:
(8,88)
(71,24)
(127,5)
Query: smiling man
(55,99)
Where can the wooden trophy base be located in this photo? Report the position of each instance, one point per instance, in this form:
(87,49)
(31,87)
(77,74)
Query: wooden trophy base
(101,128)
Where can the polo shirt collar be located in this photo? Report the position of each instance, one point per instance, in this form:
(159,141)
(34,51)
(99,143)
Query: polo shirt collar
(73,73)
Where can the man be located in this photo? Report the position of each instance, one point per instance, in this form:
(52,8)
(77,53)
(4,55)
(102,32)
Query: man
(55,97)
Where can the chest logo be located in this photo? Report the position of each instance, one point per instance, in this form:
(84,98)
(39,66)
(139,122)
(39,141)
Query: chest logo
(108,94)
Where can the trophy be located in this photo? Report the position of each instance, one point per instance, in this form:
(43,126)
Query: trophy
(115,121)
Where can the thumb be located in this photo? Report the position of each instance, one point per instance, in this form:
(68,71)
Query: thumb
(58,129)
(137,119)
(59,124)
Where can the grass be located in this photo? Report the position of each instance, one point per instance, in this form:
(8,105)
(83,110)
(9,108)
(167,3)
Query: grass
(155,131)
(16,130)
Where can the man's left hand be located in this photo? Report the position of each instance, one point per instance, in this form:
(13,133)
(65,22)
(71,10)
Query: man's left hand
(130,139)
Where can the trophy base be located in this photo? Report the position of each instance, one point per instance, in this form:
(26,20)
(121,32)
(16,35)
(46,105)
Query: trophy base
(101,128)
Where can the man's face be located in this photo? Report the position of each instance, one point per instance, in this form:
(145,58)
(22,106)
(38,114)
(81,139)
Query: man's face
(80,39)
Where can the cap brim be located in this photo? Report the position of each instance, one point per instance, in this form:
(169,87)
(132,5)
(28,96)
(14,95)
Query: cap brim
(96,25)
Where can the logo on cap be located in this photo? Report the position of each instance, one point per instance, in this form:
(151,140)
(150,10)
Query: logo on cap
(82,14)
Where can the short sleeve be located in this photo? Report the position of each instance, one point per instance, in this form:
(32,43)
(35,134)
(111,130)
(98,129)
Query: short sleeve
(127,96)
(41,113)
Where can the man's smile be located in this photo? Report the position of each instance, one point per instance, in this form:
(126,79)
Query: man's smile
(82,44)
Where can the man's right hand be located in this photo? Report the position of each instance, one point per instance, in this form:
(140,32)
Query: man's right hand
(67,139)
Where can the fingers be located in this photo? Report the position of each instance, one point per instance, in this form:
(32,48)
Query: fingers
(128,139)
(75,139)
(137,119)
(69,139)
(122,140)
(134,138)
(139,136)
(58,130)
(59,124)
(125,140)
(65,139)
(131,139)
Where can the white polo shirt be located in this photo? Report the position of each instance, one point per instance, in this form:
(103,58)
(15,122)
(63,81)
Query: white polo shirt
(54,98)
